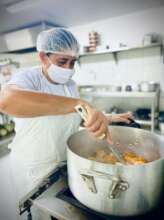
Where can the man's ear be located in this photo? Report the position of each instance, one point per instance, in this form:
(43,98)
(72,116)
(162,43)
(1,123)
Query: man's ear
(44,59)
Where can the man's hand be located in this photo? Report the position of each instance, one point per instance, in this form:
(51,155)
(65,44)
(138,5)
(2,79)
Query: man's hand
(124,117)
(97,123)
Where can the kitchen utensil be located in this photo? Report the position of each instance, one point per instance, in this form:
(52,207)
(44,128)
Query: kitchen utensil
(143,113)
(147,86)
(116,88)
(161,121)
(161,116)
(144,87)
(113,189)
(132,123)
(128,88)
(161,126)
(92,49)
(151,38)
(86,89)
(135,87)
(147,39)
(83,113)
(115,110)
(86,49)
(93,41)
(154,86)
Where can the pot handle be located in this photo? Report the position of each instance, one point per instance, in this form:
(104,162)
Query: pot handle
(117,186)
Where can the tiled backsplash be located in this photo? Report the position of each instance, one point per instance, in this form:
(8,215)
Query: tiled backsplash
(132,67)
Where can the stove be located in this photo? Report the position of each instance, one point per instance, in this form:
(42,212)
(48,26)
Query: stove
(67,196)
(54,197)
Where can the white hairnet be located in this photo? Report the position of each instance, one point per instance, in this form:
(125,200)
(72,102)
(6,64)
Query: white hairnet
(57,40)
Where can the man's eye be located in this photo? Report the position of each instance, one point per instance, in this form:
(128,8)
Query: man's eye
(62,62)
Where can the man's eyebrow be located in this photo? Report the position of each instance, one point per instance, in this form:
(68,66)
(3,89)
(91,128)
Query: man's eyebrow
(65,58)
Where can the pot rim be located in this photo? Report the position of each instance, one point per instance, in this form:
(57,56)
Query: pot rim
(124,165)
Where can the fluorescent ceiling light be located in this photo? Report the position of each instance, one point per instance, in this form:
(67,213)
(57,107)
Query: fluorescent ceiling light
(21,5)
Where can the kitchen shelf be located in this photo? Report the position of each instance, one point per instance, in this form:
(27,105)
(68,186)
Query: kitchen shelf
(143,122)
(153,97)
(117,50)
(148,95)
(114,51)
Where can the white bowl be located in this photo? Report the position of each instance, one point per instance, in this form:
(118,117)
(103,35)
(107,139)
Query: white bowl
(161,126)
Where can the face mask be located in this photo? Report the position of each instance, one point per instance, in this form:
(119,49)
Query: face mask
(59,75)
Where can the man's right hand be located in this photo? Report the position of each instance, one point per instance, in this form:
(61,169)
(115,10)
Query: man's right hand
(97,123)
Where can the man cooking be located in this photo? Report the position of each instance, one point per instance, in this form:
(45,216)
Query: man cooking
(42,100)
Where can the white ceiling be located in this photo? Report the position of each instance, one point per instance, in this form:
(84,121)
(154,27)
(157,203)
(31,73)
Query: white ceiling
(66,12)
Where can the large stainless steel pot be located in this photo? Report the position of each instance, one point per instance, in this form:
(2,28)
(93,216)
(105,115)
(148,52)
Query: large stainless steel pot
(121,190)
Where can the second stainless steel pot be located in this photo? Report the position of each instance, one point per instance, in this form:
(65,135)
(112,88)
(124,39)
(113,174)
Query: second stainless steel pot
(148,86)
(120,190)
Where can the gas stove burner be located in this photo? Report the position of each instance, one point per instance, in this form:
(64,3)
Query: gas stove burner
(26,202)
(67,196)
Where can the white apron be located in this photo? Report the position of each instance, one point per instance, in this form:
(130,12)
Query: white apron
(38,147)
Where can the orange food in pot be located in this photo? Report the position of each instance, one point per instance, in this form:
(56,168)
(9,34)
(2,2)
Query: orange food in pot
(132,158)
(105,157)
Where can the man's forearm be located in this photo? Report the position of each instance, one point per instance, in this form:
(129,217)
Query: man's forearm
(21,103)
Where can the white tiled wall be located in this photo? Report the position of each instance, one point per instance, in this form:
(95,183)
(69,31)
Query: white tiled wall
(133,66)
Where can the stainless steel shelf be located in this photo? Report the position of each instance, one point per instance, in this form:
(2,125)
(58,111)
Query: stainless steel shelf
(149,95)
(144,122)
(117,50)
(153,97)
